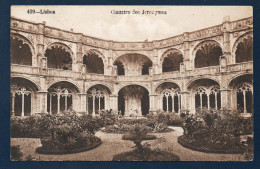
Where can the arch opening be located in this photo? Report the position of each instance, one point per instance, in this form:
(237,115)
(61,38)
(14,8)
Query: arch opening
(94,63)
(242,93)
(20,52)
(133,100)
(244,50)
(58,58)
(23,93)
(120,68)
(172,62)
(133,64)
(169,97)
(60,97)
(206,94)
(207,55)
(97,98)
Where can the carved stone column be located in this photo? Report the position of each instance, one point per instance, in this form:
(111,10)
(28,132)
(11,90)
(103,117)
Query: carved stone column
(152,100)
(186,51)
(40,45)
(156,62)
(225,98)
(13,102)
(223,63)
(226,40)
(79,54)
(83,102)
(43,101)
(184,99)
(113,102)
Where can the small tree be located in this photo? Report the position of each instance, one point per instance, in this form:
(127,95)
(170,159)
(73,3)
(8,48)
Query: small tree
(16,153)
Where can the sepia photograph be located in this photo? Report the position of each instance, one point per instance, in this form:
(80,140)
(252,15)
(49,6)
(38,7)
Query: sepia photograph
(131,83)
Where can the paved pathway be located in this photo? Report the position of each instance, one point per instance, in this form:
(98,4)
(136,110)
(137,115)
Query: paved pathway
(113,144)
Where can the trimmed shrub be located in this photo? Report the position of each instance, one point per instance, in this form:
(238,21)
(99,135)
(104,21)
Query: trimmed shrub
(214,129)
(16,153)
(143,152)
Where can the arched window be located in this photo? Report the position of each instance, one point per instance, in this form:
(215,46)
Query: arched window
(23,96)
(171,100)
(207,97)
(20,52)
(96,101)
(59,100)
(244,51)
(201,98)
(58,58)
(22,101)
(94,63)
(245,98)
(207,55)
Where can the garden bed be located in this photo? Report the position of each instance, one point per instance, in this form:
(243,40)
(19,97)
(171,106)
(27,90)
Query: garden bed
(184,141)
(41,150)
(153,156)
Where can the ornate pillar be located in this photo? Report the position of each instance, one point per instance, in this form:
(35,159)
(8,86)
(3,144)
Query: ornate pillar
(58,105)
(167,104)
(186,53)
(226,40)
(23,92)
(37,60)
(208,99)
(152,100)
(79,55)
(83,102)
(50,103)
(244,99)
(93,94)
(66,94)
(216,100)
(13,103)
(200,100)
(156,59)
(225,98)
(184,100)
(173,103)
(113,102)
(99,96)
(179,103)
(43,101)
(13,91)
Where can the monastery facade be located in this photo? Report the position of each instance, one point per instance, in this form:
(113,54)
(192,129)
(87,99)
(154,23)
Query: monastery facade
(53,70)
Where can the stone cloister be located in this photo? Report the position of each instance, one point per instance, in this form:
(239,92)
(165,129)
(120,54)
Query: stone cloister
(53,70)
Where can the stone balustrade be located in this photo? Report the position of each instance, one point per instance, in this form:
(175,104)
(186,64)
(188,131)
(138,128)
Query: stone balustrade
(212,70)
(240,66)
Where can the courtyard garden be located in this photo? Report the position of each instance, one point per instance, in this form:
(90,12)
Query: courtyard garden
(208,135)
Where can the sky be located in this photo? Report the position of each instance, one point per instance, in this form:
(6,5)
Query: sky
(101,22)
